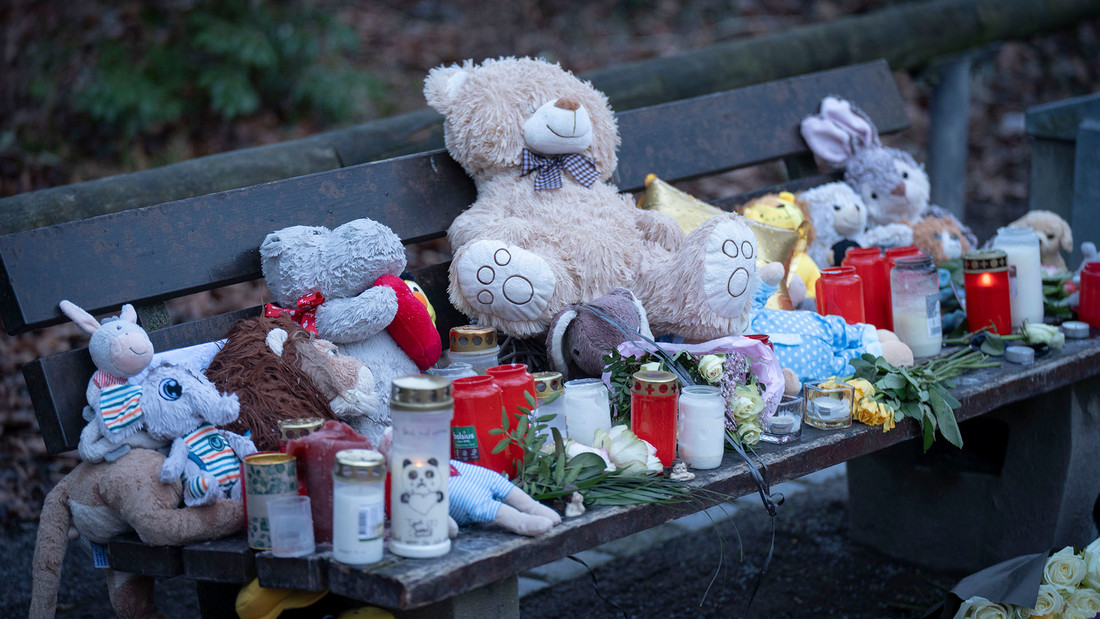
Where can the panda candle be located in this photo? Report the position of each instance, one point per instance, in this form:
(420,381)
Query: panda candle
(420,408)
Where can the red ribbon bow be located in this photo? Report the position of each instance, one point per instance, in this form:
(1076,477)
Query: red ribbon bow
(305,315)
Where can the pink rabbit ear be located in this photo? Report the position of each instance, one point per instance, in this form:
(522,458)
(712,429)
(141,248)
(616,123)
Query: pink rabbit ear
(853,120)
(838,131)
(827,140)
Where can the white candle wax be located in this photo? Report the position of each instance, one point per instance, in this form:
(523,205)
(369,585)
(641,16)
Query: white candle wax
(780,424)
(701,433)
(358,515)
(1021,246)
(587,409)
(830,409)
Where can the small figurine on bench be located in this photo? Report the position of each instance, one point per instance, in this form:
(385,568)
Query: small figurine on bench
(120,350)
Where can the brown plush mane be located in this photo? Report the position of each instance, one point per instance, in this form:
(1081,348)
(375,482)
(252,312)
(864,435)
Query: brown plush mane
(270,388)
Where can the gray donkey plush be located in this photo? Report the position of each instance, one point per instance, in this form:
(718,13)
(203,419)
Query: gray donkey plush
(180,405)
(120,350)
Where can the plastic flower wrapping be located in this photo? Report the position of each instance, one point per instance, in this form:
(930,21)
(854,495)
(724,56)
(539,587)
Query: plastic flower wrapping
(1069,588)
(746,372)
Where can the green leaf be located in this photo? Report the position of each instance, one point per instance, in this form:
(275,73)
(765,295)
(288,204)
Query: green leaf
(531,401)
(546,418)
(504,418)
(501,446)
(993,345)
(496,431)
(893,381)
(929,433)
(949,427)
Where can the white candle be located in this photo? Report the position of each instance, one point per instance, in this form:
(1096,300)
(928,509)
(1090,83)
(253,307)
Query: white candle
(702,431)
(1025,270)
(780,424)
(587,409)
(830,409)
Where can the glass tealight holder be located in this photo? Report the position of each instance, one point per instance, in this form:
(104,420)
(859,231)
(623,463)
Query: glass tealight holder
(827,408)
(785,425)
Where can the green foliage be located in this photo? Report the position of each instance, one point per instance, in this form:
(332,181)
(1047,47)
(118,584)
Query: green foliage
(228,58)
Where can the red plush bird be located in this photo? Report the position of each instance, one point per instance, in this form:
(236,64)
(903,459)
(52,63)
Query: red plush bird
(412,327)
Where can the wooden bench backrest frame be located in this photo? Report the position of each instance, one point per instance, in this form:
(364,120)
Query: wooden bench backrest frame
(149,255)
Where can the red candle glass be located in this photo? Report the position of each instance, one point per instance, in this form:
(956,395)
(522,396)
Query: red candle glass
(653,397)
(478,402)
(762,338)
(517,384)
(1088,309)
(840,292)
(316,454)
(987,293)
(870,265)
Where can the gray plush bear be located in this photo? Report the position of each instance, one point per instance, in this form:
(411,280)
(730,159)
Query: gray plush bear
(360,313)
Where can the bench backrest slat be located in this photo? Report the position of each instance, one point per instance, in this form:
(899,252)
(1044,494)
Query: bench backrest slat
(201,243)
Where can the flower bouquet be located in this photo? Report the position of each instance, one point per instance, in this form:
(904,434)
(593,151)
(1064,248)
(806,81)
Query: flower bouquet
(745,370)
(1065,585)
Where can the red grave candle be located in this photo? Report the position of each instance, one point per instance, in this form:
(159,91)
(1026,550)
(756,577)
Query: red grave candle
(840,292)
(517,384)
(1088,309)
(985,276)
(316,454)
(870,265)
(478,402)
(653,397)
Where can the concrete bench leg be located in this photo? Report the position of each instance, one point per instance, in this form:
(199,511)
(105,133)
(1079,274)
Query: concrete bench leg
(499,600)
(1027,481)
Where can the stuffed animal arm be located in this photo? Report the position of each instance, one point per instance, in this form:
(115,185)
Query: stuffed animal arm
(480,495)
(356,318)
(120,349)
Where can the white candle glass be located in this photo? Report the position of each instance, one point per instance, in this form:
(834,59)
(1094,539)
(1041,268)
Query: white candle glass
(785,425)
(358,506)
(702,426)
(420,409)
(587,409)
(915,301)
(1025,273)
(827,408)
(548,392)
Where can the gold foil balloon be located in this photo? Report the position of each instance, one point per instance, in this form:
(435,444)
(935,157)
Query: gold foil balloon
(686,210)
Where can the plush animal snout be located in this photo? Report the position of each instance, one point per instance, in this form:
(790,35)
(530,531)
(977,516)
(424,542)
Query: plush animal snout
(899,190)
(561,126)
(131,352)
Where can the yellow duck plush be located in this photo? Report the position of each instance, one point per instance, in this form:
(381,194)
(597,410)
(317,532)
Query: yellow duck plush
(782,210)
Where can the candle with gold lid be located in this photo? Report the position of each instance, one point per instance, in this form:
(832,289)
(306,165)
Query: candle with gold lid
(987,290)
(653,399)
(476,345)
(290,429)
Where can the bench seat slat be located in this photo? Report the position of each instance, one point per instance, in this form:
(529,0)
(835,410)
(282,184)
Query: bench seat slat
(169,250)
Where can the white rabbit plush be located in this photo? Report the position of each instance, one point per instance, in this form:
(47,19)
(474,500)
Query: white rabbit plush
(120,349)
(892,185)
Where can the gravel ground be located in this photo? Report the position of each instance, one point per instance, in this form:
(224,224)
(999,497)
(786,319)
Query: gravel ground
(816,571)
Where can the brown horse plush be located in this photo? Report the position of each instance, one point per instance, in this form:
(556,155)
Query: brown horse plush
(281,371)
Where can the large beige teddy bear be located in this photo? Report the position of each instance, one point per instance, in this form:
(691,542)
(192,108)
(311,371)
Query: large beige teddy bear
(548,230)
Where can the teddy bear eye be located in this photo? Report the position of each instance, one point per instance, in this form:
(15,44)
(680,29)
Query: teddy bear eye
(412,474)
(170,389)
(905,175)
(1050,236)
(836,207)
(429,474)
(874,196)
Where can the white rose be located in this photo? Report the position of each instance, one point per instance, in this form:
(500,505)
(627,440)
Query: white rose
(1084,599)
(652,366)
(1076,613)
(981,608)
(746,403)
(749,431)
(1092,564)
(1049,602)
(710,368)
(1064,570)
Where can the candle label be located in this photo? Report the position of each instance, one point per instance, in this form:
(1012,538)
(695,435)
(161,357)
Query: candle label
(932,311)
(371,522)
(465,443)
(420,513)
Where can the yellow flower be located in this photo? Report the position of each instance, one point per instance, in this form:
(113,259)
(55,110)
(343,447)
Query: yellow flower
(874,413)
(864,389)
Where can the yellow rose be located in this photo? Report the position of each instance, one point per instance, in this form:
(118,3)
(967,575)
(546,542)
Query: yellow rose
(1049,603)
(1091,556)
(864,389)
(875,413)
(710,368)
(981,608)
(1086,600)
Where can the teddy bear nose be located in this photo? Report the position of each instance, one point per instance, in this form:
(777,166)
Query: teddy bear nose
(566,103)
(899,190)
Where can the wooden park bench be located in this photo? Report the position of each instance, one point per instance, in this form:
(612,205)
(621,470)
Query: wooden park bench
(149,255)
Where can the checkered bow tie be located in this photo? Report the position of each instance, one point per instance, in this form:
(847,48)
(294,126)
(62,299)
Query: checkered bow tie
(581,168)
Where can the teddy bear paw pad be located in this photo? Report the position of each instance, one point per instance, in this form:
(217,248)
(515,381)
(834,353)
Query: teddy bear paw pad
(728,267)
(504,281)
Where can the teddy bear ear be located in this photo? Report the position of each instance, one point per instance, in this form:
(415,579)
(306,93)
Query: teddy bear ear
(442,86)
(555,339)
(1067,236)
